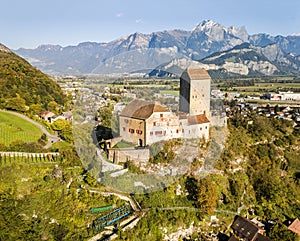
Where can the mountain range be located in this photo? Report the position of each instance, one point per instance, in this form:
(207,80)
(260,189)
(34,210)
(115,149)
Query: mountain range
(242,60)
(144,52)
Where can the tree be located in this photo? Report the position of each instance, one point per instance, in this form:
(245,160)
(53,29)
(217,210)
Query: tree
(53,107)
(281,233)
(36,108)
(237,187)
(207,196)
(269,186)
(17,103)
(64,129)
(105,115)
(203,193)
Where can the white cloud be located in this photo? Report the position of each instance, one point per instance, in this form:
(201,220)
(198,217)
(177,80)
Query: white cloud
(138,21)
(119,15)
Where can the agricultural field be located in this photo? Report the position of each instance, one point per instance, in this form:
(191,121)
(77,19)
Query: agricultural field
(12,160)
(13,128)
(169,92)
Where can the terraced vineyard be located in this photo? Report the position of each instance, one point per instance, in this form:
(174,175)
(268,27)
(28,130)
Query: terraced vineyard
(13,128)
(10,160)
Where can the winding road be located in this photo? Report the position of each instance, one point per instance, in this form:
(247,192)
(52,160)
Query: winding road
(51,138)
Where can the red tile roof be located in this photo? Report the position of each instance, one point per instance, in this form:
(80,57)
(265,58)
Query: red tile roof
(47,113)
(197,119)
(295,226)
(141,109)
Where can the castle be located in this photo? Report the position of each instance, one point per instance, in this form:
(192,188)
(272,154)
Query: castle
(144,123)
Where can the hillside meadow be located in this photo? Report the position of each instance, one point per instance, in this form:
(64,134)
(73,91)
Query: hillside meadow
(13,128)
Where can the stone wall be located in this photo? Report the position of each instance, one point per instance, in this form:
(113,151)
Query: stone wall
(28,155)
(112,142)
(128,154)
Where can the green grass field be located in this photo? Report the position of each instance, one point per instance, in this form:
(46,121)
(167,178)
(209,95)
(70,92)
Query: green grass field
(170,92)
(13,128)
(124,144)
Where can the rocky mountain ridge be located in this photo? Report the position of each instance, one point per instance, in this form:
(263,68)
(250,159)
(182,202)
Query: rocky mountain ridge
(4,49)
(242,60)
(144,52)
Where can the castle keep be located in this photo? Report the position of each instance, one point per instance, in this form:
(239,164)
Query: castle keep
(144,123)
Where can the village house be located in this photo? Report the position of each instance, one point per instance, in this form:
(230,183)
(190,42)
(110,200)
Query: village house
(51,117)
(282,96)
(47,115)
(294,226)
(144,123)
(245,229)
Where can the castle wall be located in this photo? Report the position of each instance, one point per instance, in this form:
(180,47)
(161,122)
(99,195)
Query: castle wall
(194,93)
(195,131)
(133,130)
(184,98)
(128,154)
(200,97)
(162,126)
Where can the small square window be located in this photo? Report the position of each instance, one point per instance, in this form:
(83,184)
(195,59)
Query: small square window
(139,132)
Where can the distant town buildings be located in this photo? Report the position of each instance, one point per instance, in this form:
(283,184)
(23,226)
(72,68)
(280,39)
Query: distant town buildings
(284,96)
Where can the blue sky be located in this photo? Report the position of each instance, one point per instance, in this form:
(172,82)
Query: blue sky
(29,23)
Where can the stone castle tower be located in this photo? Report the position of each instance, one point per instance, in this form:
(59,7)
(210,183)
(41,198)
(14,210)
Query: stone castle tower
(195,92)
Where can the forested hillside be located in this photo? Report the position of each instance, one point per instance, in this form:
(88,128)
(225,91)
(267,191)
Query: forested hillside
(23,85)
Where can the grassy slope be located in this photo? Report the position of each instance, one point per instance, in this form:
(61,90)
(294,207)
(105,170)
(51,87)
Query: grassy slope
(13,128)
